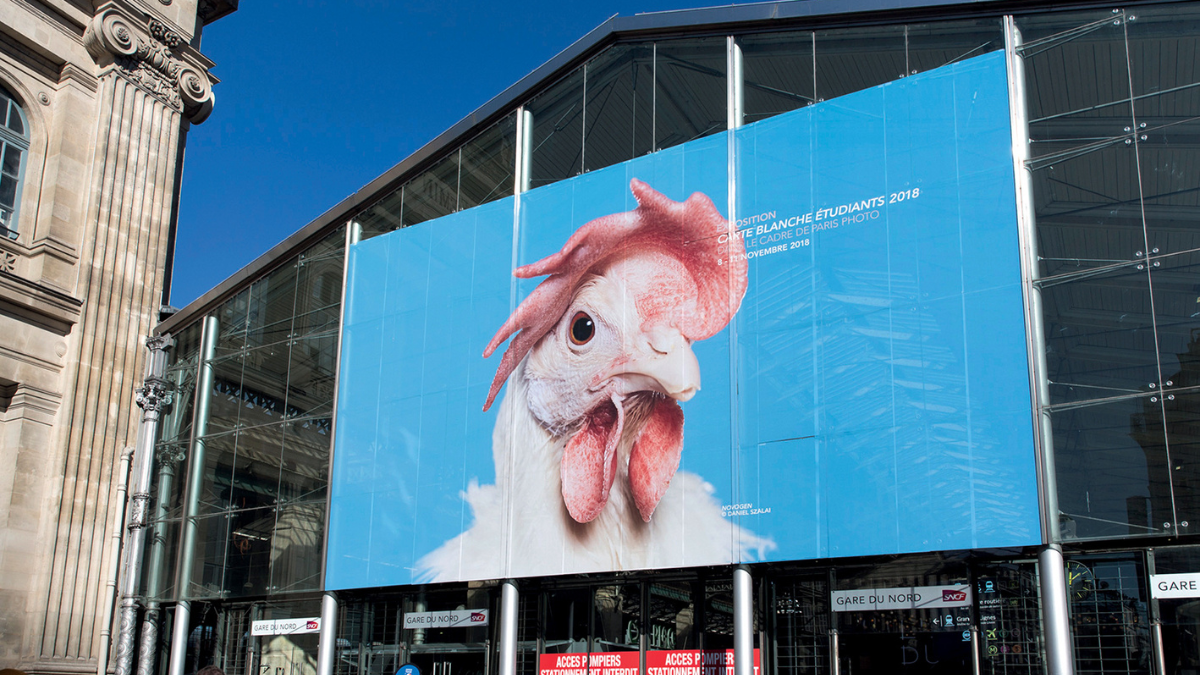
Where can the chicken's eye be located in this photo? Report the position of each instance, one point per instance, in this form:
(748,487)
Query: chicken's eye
(582,328)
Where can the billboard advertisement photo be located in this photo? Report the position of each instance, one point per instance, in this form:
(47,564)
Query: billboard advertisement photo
(802,338)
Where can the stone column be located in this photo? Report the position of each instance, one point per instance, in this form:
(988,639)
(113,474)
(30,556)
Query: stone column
(150,85)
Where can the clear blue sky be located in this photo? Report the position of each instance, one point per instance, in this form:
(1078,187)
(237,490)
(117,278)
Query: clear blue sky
(318,98)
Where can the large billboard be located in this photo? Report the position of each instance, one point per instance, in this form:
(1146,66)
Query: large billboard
(610,373)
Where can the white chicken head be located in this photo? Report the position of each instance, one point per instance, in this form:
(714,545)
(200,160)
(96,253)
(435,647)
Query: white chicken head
(612,328)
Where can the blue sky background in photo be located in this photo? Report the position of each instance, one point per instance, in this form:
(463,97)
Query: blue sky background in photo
(318,98)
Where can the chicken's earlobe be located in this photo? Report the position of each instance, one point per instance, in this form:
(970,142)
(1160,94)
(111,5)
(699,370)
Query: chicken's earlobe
(589,462)
(655,455)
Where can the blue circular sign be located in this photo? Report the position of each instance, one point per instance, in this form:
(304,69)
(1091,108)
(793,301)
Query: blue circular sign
(408,669)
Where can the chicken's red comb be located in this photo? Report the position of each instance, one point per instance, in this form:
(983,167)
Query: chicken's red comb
(689,231)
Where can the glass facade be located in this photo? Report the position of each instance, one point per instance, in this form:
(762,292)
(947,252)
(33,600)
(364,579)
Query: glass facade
(1113,106)
(1116,199)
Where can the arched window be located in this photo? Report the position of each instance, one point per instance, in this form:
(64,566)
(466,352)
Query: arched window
(14,143)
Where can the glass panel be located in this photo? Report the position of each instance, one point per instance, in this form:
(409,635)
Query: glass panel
(264,385)
(256,471)
(860,58)
(1099,335)
(557,143)
(1180,417)
(620,106)
(1110,623)
(225,399)
(934,45)
(208,575)
(1163,54)
(690,97)
(1010,626)
(296,547)
(318,300)
(216,485)
(383,216)
(777,69)
(8,191)
(305,470)
(1169,157)
(12,160)
(1176,283)
(248,555)
(801,625)
(1180,617)
(6,105)
(672,616)
(1075,65)
(487,165)
(567,619)
(432,194)
(270,307)
(920,637)
(718,615)
(1113,470)
(311,375)
(14,119)
(618,619)
(233,319)
(1088,210)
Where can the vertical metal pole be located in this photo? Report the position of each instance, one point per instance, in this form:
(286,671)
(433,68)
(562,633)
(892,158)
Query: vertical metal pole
(1054,611)
(195,481)
(1030,271)
(1055,627)
(354,231)
(114,562)
(153,397)
(735,87)
(327,646)
(166,460)
(835,661)
(525,149)
(733,120)
(976,655)
(179,636)
(743,622)
(1156,629)
(508,627)
(1160,657)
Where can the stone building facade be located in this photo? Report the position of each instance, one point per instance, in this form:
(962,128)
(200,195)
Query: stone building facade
(98,98)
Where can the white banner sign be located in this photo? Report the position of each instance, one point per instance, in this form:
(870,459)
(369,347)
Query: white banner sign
(286,626)
(451,618)
(911,597)
(1175,585)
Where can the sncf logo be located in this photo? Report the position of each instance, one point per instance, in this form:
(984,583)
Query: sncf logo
(477,617)
(954,596)
(312,625)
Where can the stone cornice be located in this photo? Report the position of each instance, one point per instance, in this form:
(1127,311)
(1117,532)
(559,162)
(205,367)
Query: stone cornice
(154,57)
(41,304)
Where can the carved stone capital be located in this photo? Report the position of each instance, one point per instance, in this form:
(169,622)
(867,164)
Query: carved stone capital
(155,395)
(159,342)
(150,55)
(169,457)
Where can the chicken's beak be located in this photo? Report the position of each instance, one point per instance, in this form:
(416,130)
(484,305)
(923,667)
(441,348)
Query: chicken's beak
(664,363)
